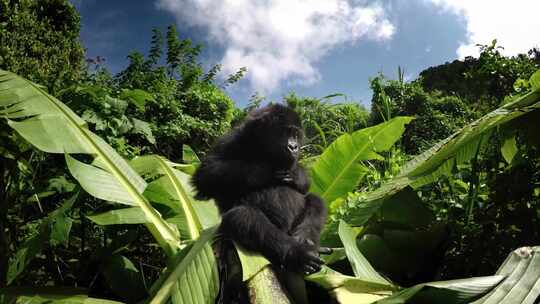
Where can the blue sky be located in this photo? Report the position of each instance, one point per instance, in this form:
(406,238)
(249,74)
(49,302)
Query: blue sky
(312,47)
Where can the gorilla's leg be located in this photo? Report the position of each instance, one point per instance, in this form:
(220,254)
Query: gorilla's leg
(249,227)
(307,227)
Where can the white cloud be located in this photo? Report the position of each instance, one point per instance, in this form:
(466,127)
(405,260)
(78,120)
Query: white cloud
(281,40)
(514,24)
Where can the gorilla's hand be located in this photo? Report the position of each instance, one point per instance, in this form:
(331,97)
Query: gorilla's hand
(303,258)
(325,250)
(284,176)
(321,250)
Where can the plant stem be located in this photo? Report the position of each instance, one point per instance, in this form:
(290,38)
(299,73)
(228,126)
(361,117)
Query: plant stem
(265,288)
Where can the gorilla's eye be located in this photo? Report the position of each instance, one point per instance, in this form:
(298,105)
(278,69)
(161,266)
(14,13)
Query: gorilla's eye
(293,131)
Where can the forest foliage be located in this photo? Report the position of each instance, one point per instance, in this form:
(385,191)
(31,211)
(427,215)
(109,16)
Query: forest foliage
(438,180)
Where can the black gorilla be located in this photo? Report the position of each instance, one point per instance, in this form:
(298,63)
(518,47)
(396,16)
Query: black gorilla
(261,191)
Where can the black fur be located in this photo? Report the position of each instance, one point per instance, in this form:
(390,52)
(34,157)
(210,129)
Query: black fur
(261,191)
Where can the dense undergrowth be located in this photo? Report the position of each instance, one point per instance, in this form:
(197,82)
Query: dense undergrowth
(422,202)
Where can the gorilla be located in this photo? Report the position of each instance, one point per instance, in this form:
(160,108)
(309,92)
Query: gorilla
(261,190)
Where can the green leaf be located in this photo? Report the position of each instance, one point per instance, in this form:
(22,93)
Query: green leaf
(137,97)
(61,223)
(521,286)
(338,170)
(376,250)
(337,254)
(190,159)
(361,267)
(61,226)
(445,292)
(52,127)
(27,251)
(207,212)
(191,277)
(521,84)
(124,278)
(117,105)
(189,156)
(347,289)
(54,228)
(99,183)
(61,185)
(161,194)
(406,249)
(132,215)
(406,210)
(464,144)
(143,128)
(444,157)
(535,80)
(49,295)
(441,159)
(509,149)
(173,189)
(252,262)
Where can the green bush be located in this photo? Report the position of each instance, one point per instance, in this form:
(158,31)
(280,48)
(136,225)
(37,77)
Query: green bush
(324,121)
(437,116)
(40,40)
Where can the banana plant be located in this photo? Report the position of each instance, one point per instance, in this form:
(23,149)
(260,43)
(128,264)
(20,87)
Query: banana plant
(338,170)
(442,159)
(515,282)
(54,295)
(191,275)
(52,127)
(426,168)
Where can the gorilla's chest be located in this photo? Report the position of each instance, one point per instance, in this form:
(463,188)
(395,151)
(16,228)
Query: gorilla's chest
(282,205)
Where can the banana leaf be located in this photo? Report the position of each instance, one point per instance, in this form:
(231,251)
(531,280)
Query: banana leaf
(48,295)
(338,170)
(52,127)
(522,284)
(192,277)
(443,158)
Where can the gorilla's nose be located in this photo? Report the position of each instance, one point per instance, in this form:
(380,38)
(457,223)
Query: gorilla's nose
(293,147)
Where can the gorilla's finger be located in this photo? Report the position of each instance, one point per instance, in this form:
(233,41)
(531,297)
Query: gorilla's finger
(284,176)
(310,242)
(309,270)
(283,173)
(325,250)
(317,268)
(315,258)
(315,265)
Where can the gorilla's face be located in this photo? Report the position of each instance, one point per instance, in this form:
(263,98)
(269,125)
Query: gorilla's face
(286,139)
(278,135)
(293,141)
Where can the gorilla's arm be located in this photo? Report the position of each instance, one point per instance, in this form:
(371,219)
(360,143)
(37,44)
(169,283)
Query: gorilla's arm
(249,226)
(307,227)
(296,178)
(301,180)
(216,177)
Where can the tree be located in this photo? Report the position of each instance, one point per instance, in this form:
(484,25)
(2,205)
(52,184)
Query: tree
(40,40)
(188,106)
(323,121)
(437,116)
(481,82)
